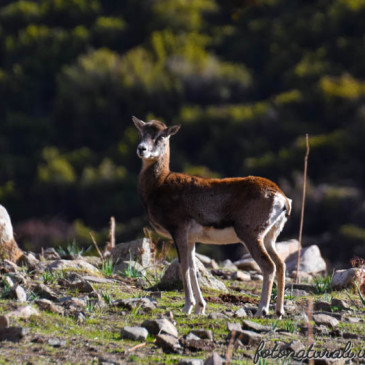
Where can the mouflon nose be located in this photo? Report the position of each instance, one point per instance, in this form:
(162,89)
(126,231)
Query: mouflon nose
(141,148)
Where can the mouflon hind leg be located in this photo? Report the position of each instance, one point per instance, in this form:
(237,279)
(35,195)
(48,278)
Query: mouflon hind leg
(258,252)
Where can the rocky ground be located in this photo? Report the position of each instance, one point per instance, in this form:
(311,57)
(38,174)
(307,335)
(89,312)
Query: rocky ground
(81,310)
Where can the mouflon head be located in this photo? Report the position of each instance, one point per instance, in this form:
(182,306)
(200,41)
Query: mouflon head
(154,138)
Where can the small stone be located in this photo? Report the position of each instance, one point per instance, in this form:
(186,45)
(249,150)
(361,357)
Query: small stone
(134,333)
(253,326)
(13,334)
(352,336)
(51,254)
(47,305)
(321,330)
(204,334)
(340,303)
(8,282)
(4,321)
(240,313)
(97,280)
(322,306)
(325,320)
(82,287)
(215,359)
(190,362)
(23,312)
(160,326)
(8,266)
(247,337)
(217,315)
(73,265)
(294,346)
(257,277)
(234,326)
(347,278)
(228,264)
(44,292)
(29,260)
(168,343)
(190,336)
(241,276)
(55,342)
(353,319)
(146,304)
(19,293)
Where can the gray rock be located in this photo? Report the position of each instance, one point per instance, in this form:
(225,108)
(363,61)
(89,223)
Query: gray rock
(134,333)
(8,266)
(257,277)
(241,276)
(347,278)
(247,263)
(8,281)
(322,306)
(340,303)
(287,248)
(207,261)
(253,326)
(325,319)
(172,278)
(215,359)
(47,305)
(56,342)
(247,337)
(81,286)
(190,336)
(51,254)
(138,250)
(18,293)
(160,326)
(311,261)
(97,280)
(294,346)
(234,326)
(29,260)
(146,304)
(217,315)
(4,321)
(168,343)
(23,312)
(13,334)
(240,313)
(354,320)
(73,265)
(228,264)
(203,334)
(191,362)
(125,266)
(44,292)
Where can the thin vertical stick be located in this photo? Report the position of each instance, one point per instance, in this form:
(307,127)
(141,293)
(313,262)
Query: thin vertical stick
(112,232)
(310,328)
(96,245)
(303,203)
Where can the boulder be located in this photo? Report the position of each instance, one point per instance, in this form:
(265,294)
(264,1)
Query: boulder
(8,247)
(168,343)
(287,248)
(134,267)
(207,261)
(214,359)
(134,333)
(23,312)
(4,321)
(13,334)
(172,278)
(160,326)
(311,261)
(138,250)
(247,263)
(347,278)
(73,265)
(325,319)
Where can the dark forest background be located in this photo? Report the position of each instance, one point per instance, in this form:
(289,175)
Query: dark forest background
(246,79)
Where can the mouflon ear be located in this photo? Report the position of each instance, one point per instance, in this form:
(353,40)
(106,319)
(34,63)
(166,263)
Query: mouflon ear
(170,131)
(138,123)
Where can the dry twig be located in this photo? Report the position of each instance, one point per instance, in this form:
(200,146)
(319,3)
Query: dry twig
(303,203)
(96,245)
(137,347)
